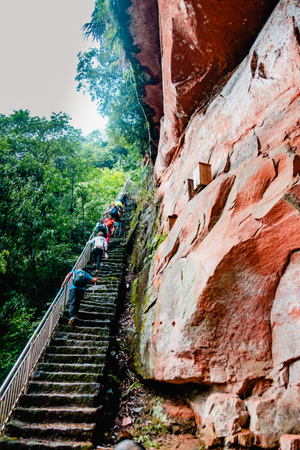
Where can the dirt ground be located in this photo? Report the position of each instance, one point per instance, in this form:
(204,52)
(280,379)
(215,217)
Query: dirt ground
(134,419)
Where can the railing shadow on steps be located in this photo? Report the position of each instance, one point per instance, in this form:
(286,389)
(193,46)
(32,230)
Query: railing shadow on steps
(17,380)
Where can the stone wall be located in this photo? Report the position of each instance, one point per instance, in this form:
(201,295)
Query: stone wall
(223,294)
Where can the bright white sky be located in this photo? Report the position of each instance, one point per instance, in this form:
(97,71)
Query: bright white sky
(39,43)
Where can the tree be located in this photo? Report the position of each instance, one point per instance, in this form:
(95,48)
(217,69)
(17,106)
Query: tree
(108,77)
(50,198)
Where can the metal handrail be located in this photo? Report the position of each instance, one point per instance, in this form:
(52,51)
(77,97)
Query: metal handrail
(17,380)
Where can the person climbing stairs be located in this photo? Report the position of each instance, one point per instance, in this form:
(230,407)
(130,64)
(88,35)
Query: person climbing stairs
(62,403)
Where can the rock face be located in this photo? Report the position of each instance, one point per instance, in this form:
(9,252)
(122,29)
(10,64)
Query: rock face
(196,42)
(222,302)
(201,41)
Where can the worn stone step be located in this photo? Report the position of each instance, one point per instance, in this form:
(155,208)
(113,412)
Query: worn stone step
(103,284)
(78,343)
(7,443)
(107,278)
(97,307)
(104,289)
(51,414)
(51,367)
(81,323)
(114,264)
(65,376)
(94,312)
(42,400)
(102,293)
(62,387)
(66,332)
(52,431)
(95,315)
(65,349)
(87,324)
(99,298)
(116,267)
(74,358)
(104,281)
(100,301)
(96,331)
(114,259)
(94,304)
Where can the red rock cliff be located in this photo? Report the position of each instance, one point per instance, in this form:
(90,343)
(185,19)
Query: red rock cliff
(223,295)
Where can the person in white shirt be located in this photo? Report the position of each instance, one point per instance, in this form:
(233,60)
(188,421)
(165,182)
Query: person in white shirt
(99,249)
(127,444)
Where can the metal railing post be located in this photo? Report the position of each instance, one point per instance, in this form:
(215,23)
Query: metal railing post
(29,365)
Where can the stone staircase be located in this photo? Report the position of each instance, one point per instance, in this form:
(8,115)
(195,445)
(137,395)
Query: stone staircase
(61,408)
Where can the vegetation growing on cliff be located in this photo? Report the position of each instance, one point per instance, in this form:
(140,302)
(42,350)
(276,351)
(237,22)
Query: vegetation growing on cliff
(105,73)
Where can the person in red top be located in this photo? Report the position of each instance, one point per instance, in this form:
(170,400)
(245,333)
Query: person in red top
(110,223)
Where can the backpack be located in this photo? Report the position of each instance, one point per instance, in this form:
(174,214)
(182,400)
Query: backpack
(102,227)
(114,211)
(99,243)
(80,280)
(123,198)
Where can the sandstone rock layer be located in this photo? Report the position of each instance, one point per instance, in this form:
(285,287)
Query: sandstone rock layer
(201,42)
(222,303)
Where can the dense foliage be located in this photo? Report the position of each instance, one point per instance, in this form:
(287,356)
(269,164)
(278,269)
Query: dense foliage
(53,188)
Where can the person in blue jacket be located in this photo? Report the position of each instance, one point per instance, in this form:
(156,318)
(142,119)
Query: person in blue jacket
(77,289)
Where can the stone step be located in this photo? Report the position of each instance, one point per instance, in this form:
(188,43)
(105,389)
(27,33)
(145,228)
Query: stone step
(102,292)
(102,288)
(78,343)
(95,315)
(65,376)
(77,330)
(74,358)
(70,368)
(43,400)
(100,299)
(106,277)
(96,307)
(95,310)
(115,262)
(114,259)
(49,387)
(71,414)
(39,444)
(69,333)
(86,324)
(117,252)
(104,283)
(78,350)
(52,431)
(103,271)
